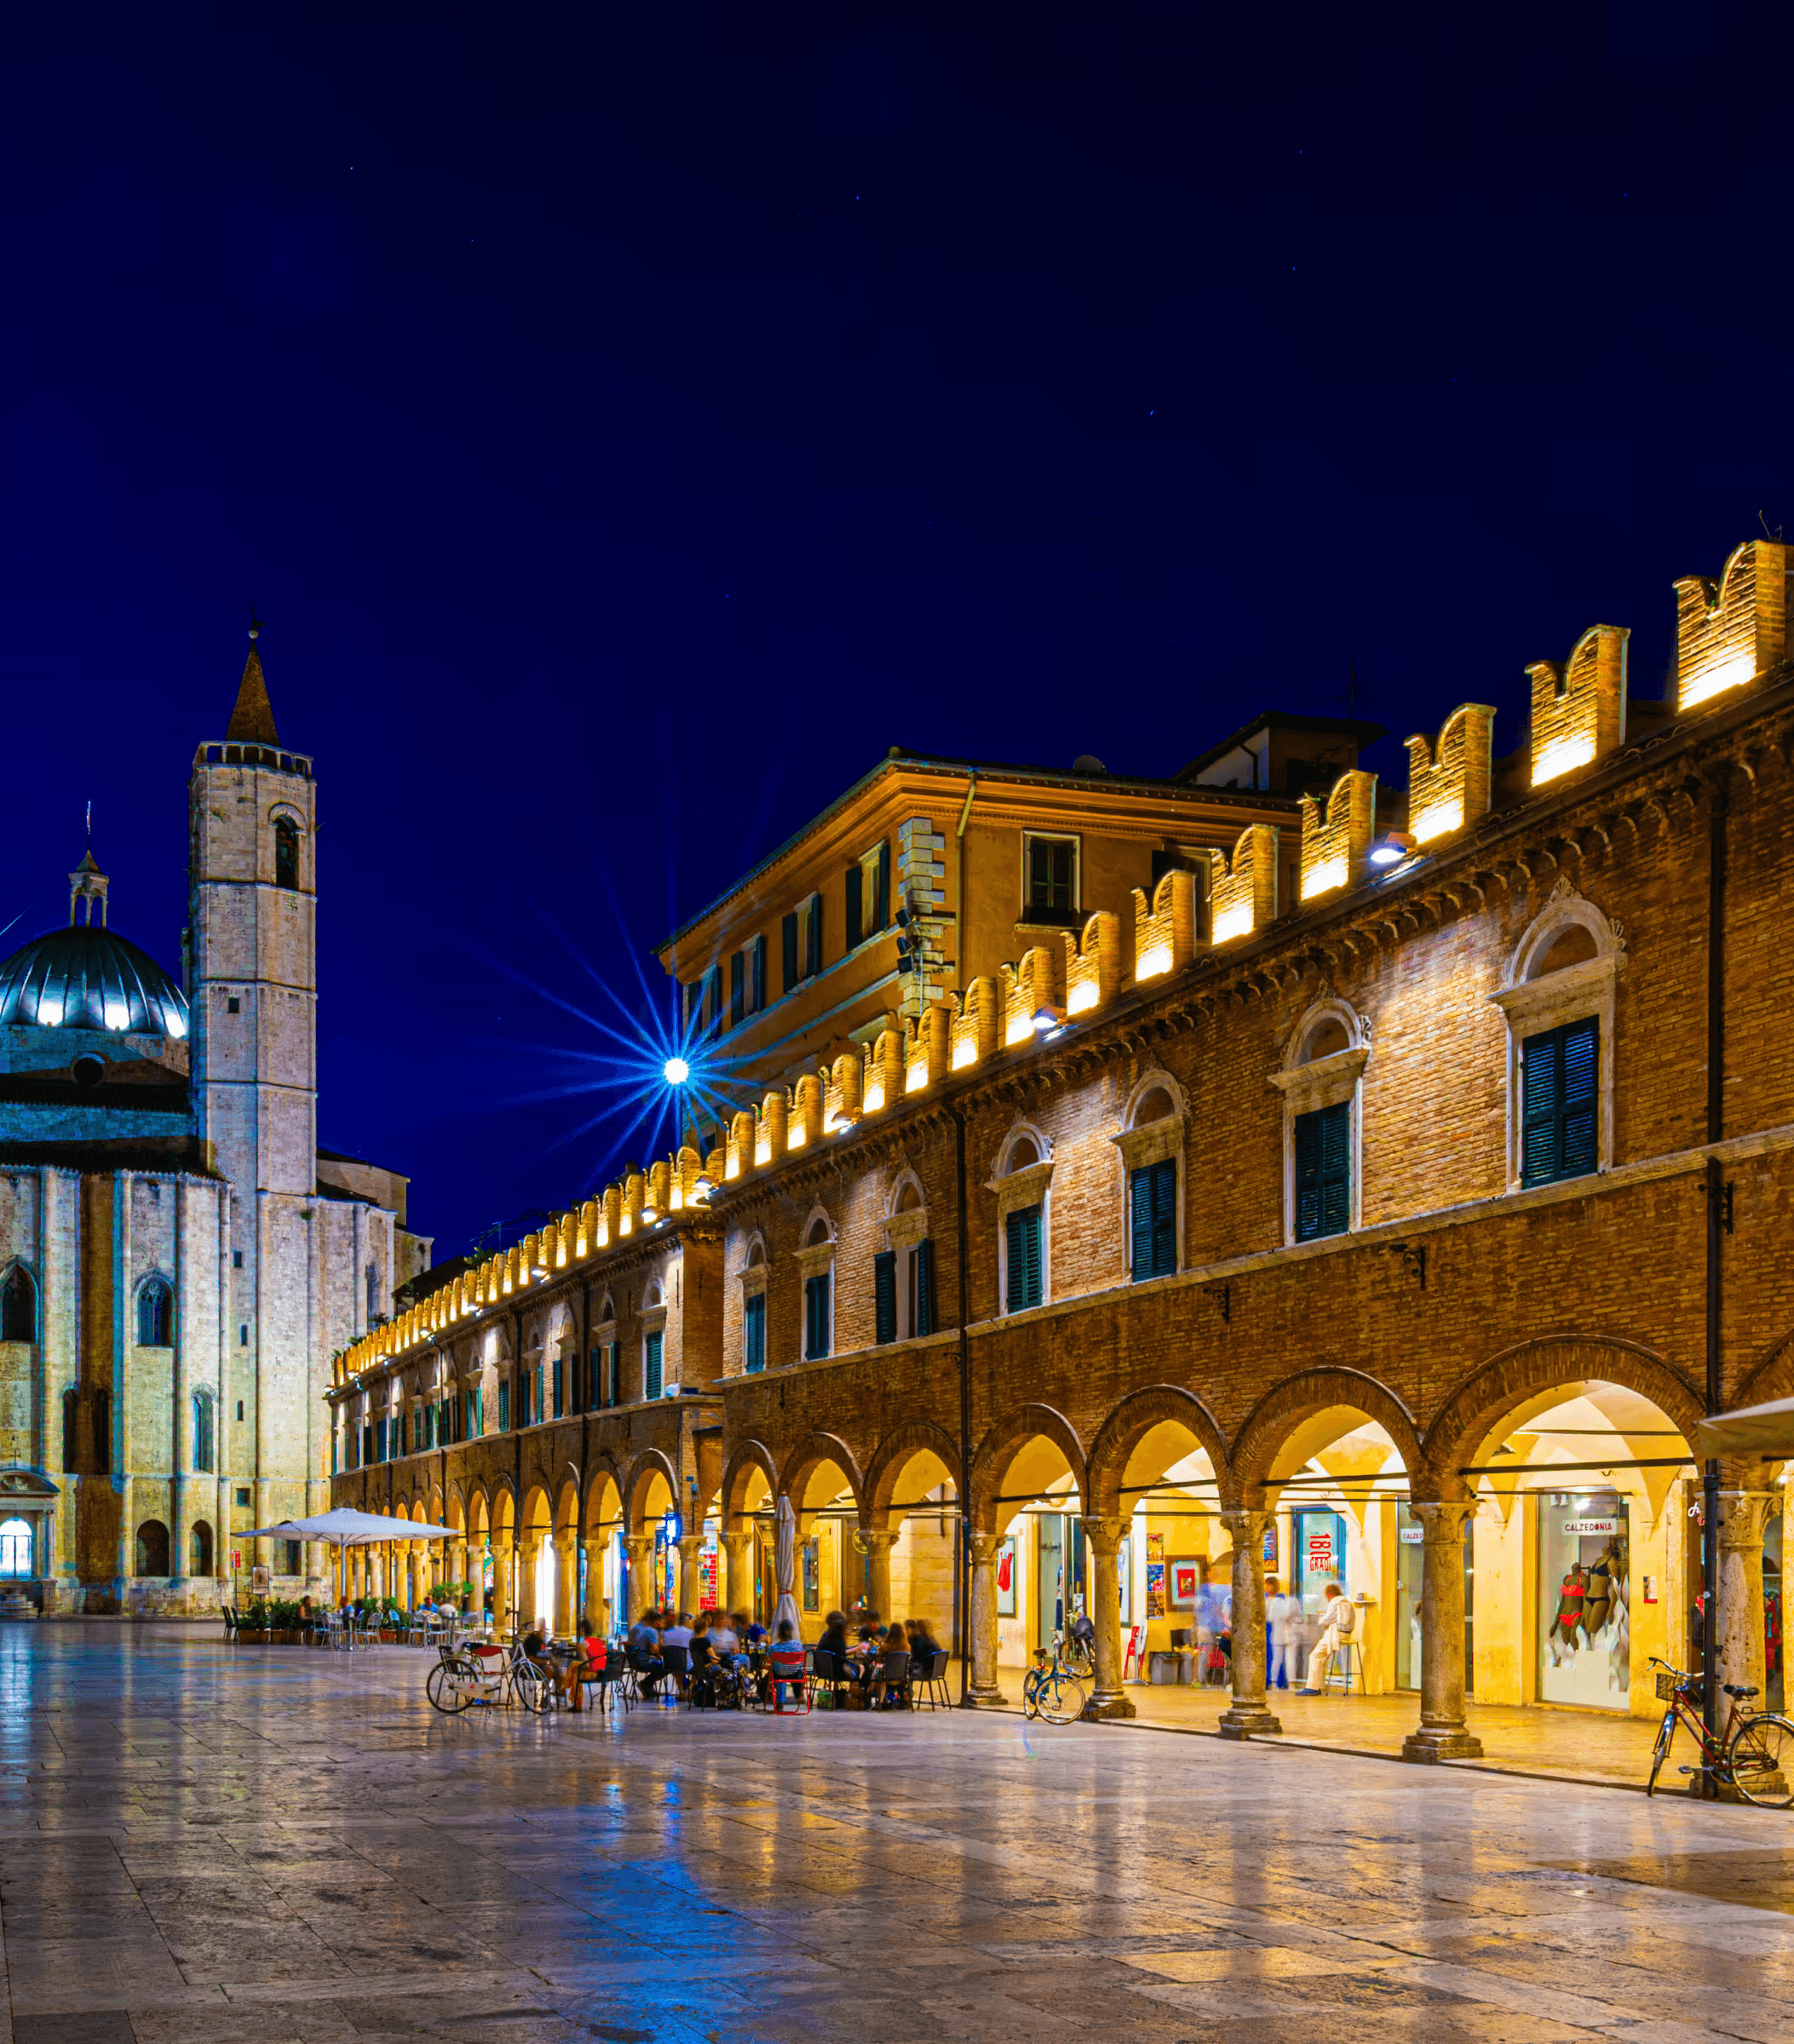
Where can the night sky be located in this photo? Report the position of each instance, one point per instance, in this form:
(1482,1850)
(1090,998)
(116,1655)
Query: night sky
(628,440)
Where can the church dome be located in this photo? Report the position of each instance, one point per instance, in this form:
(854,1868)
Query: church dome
(86,977)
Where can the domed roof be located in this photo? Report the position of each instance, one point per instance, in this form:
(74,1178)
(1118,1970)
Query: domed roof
(89,978)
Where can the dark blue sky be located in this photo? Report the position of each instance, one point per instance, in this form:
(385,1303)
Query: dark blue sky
(631,429)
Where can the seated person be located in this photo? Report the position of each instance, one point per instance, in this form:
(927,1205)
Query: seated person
(869,1628)
(754,1633)
(643,1653)
(586,1666)
(702,1656)
(890,1672)
(1338,1619)
(922,1647)
(724,1643)
(785,1661)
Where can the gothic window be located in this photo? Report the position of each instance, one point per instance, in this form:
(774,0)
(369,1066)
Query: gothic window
(1023,1186)
(71,1431)
(19,1305)
(205,1452)
(153,1548)
(1151,1143)
(373,1292)
(156,1314)
(286,852)
(15,1548)
(817,1262)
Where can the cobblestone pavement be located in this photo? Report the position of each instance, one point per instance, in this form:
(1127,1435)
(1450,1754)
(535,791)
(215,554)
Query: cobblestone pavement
(203,1845)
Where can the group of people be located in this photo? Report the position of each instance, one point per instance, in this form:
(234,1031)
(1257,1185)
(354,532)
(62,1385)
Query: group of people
(1285,1616)
(877,1662)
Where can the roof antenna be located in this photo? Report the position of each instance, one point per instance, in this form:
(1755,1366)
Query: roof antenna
(1764,523)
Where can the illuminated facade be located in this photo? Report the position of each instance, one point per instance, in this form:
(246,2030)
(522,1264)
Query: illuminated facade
(1386,1223)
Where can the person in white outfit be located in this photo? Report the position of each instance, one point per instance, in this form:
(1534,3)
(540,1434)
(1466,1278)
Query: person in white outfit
(1282,1615)
(1338,1620)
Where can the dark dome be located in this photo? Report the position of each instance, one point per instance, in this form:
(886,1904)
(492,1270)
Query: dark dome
(84,977)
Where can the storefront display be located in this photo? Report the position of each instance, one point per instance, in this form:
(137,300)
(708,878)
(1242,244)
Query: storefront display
(1155,1575)
(1773,1685)
(1320,1557)
(1124,1563)
(1585,1646)
(1409,1554)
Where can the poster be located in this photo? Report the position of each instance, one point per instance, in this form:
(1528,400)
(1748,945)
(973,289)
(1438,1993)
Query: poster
(707,1577)
(1186,1581)
(1270,1545)
(812,1576)
(1122,1562)
(1155,1576)
(1006,1577)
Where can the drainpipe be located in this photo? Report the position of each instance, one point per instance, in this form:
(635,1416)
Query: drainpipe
(1714,1188)
(959,932)
(965,1413)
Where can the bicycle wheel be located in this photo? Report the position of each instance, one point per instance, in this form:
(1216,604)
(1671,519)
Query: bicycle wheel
(1031,1687)
(534,1690)
(1665,1732)
(1061,1697)
(449,1687)
(1759,1759)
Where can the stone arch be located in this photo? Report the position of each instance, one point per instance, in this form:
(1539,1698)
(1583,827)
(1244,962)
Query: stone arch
(650,1463)
(818,1214)
(744,1458)
(1130,1422)
(601,1475)
(1157,1079)
(1320,1019)
(1020,1131)
(992,1457)
(1277,1415)
(1771,1376)
(808,1457)
(904,1181)
(1565,912)
(1475,1405)
(914,1437)
(538,1513)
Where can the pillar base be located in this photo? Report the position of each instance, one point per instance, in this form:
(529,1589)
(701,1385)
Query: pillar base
(1247,1721)
(1109,1704)
(986,1699)
(1433,1743)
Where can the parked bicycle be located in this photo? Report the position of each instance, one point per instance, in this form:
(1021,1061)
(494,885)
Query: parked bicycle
(1748,1754)
(478,1676)
(1056,1688)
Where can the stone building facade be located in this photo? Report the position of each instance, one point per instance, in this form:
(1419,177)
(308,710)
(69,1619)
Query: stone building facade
(1439,1203)
(178,1260)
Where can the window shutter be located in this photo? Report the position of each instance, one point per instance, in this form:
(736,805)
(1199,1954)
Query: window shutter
(756,975)
(1541,1094)
(1581,1102)
(813,964)
(1024,1288)
(737,987)
(925,1288)
(855,887)
(755,1330)
(651,1387)
(788,931)
(1140,1219)
(881,888)
(884,1296)
(815,1318)
(1336,1169)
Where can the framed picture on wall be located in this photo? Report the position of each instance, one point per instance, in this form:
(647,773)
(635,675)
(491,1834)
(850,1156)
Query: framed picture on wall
(1185,1574)
(812,1577)
(1006,1577)
(1124,1562)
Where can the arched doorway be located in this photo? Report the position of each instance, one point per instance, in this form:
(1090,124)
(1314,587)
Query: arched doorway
(199,1548)
(152,1548)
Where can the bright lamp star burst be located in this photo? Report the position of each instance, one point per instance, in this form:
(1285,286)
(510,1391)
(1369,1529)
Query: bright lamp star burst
(677,1072)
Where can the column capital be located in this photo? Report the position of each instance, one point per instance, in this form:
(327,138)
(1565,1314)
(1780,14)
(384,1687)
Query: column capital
(1442,1520)
(1247,1523)
(1105,1535)
(874,1537)
(1742,1516)
(638,1543)
(984,1546)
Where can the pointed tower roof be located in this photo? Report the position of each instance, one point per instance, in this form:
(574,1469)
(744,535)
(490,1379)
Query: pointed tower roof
(254,716)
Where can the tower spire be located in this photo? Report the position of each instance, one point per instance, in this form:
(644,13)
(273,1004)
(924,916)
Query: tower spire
(254,716)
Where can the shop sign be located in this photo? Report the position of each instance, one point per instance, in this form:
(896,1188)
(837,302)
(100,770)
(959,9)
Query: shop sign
(1590,1529)
(1321,1554)
(1413,1535)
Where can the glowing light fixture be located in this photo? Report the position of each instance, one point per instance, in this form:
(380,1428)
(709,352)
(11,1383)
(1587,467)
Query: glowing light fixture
(1153,962)
(1563,754)
(676,1072)
(703,1188)
(1437,821)
(1047,1019)
(49,1014)
(1391,848)
(117,1015)
(1081,997)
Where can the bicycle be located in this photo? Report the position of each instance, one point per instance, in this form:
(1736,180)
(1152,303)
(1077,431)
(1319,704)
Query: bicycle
(1747,1755)
(487,1678)
(1056,1689)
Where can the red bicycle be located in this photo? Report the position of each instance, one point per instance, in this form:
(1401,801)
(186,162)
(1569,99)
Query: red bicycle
(1748,1754)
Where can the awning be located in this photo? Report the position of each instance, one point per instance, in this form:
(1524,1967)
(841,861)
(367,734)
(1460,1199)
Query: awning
(344,1528)
(1752,1430)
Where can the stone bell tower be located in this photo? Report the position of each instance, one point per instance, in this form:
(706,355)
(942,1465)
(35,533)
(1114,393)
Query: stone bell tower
(252,989)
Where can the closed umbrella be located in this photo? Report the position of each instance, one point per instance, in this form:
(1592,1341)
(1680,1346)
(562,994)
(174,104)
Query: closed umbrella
(784,1565)
(344,1528)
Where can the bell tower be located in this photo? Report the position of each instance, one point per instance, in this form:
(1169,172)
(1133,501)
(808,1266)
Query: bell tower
(252,991)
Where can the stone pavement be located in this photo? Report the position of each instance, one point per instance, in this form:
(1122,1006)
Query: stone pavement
(202,1844)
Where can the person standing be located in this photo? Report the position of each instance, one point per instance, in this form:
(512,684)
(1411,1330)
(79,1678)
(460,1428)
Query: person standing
(1282,1614)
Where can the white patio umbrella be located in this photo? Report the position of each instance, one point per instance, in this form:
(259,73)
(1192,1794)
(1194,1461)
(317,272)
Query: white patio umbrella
(1752,1429)
(784,1565)
(344,1528)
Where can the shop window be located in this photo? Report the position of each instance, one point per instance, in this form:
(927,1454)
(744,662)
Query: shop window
(1560,1095)
(1584,1541)
(155,1313)
(1152,1219)
(1322,1166)
(1051,880)
(754,1331)
(15,1548)
(19,1305)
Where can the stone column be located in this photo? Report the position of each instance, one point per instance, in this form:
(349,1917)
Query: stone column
(457,1563)
(127,1539)
(640,1547)
(691,1551)
(1103,1536)
(566,1614)
(529,1554)
(181,1513)
(737,1553)
(597,1611)
(984,1688)
(1739,1621)
(1441,1735)
(1248,1712)
(878,1543)
(504,1548)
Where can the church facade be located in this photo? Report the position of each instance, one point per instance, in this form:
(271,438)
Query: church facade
(178,1259)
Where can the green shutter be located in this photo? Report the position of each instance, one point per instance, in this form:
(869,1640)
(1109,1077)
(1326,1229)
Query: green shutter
(1153,1215)
(1025,1288)
(813,963)
(884,1297)
(1323,1172)
(651,1373)
(815,1317)
(737,987)
(925,1288)
(1559,1102)
(756,1329)
(1140,1219)
(788,933)
(855,879)
(881,888)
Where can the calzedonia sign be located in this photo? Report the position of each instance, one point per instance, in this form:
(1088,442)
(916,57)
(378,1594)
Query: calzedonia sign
(1589,1529)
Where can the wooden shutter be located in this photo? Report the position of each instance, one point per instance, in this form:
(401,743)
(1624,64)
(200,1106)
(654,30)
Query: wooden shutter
(813,963)
(1581,1057)
(755,1329)
(756,975)
(884,1296)
(1140,1219)
(855,888)
(737,987)
(788,932)
(1024,1288)
(925,1317)
(1153,1219)
(815,1317)
(1323,1172)
(881,888)
(651,1387)
(1541,1092)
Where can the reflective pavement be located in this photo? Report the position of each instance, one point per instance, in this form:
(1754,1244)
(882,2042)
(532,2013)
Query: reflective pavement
(207,1844)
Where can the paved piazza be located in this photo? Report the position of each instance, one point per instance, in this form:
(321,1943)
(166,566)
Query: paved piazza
(234,1844)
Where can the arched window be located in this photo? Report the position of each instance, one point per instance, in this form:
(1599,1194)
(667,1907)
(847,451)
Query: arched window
(15,1548)
(153,1548)
(286,852)
(199,1549)
(373,1292)
(1151,1143)
(19,1305)
(205,1456)
(753,1308)
(816,1259)
(1024,1209)
(71,1431)
(902,1274)
(653,1342)
(156,1313)
(1321,1083)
